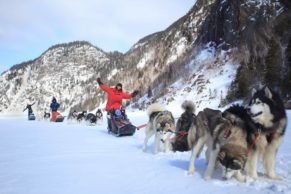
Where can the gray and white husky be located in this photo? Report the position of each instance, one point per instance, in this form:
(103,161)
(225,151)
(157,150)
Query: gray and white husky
(218,133)
(161,124)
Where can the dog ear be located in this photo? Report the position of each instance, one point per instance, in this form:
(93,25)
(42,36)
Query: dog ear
(254,91)
(268,92)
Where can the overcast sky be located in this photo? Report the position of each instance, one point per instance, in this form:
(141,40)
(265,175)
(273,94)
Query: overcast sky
(29,27)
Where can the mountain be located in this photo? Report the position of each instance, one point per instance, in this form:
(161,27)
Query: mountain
(213,55)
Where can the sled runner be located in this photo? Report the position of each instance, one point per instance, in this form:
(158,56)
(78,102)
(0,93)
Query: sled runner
(119,124)
(31,117)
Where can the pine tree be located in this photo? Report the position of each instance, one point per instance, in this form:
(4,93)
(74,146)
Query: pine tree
(273,60)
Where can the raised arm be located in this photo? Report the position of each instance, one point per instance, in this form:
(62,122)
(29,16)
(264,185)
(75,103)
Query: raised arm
(103,87)
(130,96)
(126,96)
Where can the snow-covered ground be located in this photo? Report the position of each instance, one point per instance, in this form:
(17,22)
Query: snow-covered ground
(63,158)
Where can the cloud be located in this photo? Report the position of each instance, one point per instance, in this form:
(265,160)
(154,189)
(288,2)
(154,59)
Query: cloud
(108,24)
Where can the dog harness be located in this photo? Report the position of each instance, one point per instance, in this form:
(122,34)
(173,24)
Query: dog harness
(252,146)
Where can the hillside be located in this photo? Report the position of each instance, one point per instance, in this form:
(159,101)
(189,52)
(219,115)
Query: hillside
(246,43)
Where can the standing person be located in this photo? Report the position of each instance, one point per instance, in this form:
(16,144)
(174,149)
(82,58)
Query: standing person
(114,97)
(54,107)
(29,108)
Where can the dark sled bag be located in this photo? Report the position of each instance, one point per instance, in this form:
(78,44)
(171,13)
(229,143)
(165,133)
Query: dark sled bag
(60,118)
(120,124)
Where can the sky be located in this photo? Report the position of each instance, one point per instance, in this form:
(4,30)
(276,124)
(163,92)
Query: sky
(29,27)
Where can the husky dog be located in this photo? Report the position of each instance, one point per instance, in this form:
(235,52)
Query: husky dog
(267,111)
(99,116)
(264,122)
(219,134)
(81,116)
(91,118)
(161,124)
(232,158)
(183,125)
(186,119)
(46,115)
(73,115)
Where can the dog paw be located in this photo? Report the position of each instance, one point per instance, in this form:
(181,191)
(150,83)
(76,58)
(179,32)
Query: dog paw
(167,151)
(191,172)
(207,178)
(254,176)
(241,179)
(275,177)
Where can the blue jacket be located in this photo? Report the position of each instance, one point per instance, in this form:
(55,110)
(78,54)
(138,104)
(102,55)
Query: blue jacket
(54,106)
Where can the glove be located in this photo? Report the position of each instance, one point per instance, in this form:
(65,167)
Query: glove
(99,81)
(134,93)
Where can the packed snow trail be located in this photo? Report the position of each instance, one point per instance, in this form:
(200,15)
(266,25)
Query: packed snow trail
(63,158)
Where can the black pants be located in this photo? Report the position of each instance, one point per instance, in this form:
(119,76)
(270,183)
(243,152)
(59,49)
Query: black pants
(108,121)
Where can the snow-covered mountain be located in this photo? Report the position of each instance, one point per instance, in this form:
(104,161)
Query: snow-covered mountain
(219,50)
(66,71)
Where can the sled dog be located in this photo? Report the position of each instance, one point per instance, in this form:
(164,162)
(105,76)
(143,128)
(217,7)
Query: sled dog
(264,121)
(219,134)
(161,124)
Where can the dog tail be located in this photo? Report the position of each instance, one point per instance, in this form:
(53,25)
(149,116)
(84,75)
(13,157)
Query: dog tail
(155,108)
(188,106)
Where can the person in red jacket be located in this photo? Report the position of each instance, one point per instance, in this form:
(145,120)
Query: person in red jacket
(115,96)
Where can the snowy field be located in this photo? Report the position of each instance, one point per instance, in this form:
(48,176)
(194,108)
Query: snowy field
(69,158)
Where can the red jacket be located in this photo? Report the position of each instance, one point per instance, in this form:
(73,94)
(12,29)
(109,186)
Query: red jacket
(114,98)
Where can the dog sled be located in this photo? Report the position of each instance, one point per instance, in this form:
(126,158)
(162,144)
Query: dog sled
(119,124)
(31,116)
(57,117)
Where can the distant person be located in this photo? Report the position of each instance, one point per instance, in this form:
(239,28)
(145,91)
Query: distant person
(54,108)
(29,108)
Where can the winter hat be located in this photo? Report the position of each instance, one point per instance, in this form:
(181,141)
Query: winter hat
(54,99)
(119,84)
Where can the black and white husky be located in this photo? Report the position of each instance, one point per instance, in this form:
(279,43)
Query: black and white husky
(161,124)
(99,116)
(267,110)
(94,118)
(264,122)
